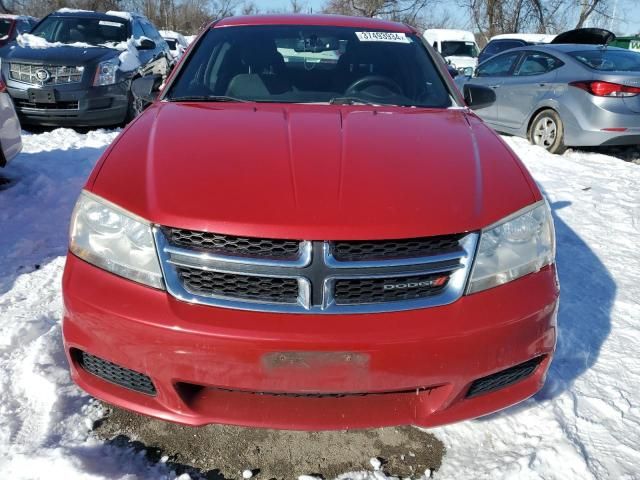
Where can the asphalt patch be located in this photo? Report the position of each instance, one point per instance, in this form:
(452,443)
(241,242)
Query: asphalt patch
(219,452)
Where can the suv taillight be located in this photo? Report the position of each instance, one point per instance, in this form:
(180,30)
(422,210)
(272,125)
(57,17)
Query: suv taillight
(3,86)
(607,89)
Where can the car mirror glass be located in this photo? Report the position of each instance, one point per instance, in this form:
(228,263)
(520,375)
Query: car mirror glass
(478,96)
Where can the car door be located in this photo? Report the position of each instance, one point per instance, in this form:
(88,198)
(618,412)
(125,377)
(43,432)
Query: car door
(491,74)
(160,56)
(532,80)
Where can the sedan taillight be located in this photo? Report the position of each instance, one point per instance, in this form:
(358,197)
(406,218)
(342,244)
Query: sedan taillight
(607,89)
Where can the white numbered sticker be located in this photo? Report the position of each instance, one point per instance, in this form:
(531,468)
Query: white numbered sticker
(382,37)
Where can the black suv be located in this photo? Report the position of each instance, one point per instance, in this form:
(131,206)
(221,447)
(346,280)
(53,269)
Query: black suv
(76,67)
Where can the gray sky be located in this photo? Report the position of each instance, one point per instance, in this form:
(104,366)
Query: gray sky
(627,15)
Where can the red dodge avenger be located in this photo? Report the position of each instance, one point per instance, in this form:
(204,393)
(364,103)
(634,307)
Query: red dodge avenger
(309,228)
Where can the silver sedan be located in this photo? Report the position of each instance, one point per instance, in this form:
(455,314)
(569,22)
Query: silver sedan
(564,95)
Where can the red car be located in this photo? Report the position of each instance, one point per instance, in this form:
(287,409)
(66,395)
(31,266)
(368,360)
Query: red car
(13,25)
(310,245)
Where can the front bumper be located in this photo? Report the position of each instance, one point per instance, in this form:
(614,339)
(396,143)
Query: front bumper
(311,372)
(75,105)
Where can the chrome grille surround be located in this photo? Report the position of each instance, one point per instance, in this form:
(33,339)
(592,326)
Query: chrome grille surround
(56,74)
(316,270)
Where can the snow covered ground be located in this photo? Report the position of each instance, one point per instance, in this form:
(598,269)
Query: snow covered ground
(585,423)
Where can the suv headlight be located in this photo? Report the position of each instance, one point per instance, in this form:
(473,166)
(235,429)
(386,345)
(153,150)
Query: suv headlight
(111,238)
(106,73)
(520,244)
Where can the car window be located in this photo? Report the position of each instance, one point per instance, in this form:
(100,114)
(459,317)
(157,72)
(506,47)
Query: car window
(172,42)
(94,31)
(535,63)
(312,64)
(609,60)
(23,26)
(497,46)
(500,66)
(459,49)
(138,32)
(5,26)
(150,31)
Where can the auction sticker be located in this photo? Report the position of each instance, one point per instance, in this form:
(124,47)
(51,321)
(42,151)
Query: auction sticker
(382,37)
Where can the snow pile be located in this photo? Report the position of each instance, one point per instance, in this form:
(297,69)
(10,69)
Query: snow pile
(129,58)
(44,419)
(34,41)
(190,38)
(585,424)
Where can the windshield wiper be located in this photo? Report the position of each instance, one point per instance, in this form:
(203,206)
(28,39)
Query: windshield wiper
(351,101)
(206,98)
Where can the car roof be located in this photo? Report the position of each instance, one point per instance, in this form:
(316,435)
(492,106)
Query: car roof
(91,14)
(318,20)
(571,47)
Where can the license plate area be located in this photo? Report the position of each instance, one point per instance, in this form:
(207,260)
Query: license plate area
(41,95)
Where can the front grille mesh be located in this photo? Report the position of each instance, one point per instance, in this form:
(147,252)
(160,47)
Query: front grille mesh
(58,74)
(355,251)
(114,373)
(234,246)
(504,378)
(372,290)
(231,285)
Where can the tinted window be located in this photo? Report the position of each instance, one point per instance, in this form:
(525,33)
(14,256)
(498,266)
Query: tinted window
(498,67)
(307,64)
(608,60)
(24,26)
(498,46)
(150,31)
(5,26)
(459,49)
(535,63)
(138,32)
(93,31)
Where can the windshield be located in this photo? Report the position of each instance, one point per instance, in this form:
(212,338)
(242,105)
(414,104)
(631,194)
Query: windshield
(5,26)
(459,49)
(311,64)
(608,60)
(93,31)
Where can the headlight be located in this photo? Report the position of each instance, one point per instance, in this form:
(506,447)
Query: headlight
(113,239)
(106,73)
(520,244)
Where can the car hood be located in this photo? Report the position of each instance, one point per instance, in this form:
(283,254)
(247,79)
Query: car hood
(63,55)
(313,172)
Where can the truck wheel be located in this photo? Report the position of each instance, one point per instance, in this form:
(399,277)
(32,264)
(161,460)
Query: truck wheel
(547,131)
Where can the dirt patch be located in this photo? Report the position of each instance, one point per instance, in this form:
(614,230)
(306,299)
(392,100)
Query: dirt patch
(223,452)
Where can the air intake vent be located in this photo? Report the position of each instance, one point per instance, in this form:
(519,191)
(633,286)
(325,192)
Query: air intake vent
(358,251)
(504,378)
(114,373)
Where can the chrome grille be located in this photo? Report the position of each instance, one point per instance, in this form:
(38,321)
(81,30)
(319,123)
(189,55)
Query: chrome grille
(35,74)
(311,277)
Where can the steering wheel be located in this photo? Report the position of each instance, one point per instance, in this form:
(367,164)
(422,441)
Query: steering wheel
(371,80)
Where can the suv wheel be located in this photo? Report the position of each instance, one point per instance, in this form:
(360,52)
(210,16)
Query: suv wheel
(547,131)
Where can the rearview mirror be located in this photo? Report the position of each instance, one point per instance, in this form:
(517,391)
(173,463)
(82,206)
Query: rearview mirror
(477,96)
(146,44)
(147,88)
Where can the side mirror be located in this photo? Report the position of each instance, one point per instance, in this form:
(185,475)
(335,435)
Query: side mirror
(468,72)
(147,88)
(146,44)
(477,96)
